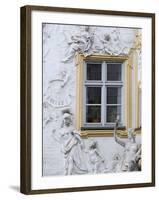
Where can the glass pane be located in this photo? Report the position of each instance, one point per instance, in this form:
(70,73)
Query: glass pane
(93,95)
(113,95)
(93,114)
(114,72)
(94,71)
(112,113)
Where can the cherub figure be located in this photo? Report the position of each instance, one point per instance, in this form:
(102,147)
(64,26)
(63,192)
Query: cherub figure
(96,160)
(116,163)
(111,43)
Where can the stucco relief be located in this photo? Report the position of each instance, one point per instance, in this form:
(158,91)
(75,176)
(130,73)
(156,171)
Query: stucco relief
(90,41)
(81,42)
(59,95)
(56,94)
(79,159)
(138,49)
(132,151)
(47,32)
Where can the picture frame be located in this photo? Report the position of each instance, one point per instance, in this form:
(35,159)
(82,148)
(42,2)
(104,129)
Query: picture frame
(34,174)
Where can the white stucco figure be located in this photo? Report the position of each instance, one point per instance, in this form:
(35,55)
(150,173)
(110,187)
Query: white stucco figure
(96,160)
(112,43)
(138,158)
(79,43)
(72,147)
(115,163)
(131,150)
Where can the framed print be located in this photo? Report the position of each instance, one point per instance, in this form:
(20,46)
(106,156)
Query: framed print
(87,99)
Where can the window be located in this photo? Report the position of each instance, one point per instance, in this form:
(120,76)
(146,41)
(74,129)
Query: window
(104,86)
(103,93)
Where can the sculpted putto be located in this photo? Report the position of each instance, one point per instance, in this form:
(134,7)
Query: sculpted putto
(96,160)
(112,43)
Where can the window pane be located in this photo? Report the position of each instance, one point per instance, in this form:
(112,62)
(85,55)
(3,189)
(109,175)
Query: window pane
(93,71)
(93,114)
(114,72)
(93,95)
(113,95)
(113,112)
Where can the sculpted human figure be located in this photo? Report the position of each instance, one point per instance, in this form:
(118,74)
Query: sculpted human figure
(95,158)
(131,150)
(79,43)
(116,163)
(71,146)
(112,43)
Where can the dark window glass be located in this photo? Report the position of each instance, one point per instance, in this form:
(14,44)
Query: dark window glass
(112,113)
(113,72)
(113,95)
(94,71)
(93,114)
(93,95)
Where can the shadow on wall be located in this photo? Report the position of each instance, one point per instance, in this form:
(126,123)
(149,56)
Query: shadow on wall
(15,188)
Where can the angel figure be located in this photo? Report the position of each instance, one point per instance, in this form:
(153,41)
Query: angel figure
(116,163)
(97,162)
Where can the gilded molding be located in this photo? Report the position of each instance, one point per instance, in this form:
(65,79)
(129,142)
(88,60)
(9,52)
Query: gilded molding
(127,97)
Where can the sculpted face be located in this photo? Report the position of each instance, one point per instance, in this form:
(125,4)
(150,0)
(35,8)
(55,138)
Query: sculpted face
(67,119)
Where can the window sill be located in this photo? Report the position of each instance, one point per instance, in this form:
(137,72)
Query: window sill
(102,131)
(102,128)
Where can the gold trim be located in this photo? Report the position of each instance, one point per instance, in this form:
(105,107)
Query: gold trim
(139,104)
(127,94)
(97,57)
(129,90)
(136,90)
(79,96)
(107,133)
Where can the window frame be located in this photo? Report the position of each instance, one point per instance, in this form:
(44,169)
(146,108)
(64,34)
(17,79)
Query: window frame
(90,131)
(103,84)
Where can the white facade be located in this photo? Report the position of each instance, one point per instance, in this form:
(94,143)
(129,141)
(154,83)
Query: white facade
(60,45)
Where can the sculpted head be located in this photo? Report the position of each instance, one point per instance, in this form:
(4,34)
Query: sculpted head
(93,145)
(67,119)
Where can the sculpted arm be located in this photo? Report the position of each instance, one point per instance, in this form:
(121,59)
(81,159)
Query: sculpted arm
(77,135)
(117,139)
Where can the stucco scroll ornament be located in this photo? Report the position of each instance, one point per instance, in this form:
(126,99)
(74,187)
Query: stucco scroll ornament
(138,48)
(132,151)
(80,43)
(72,147)
(56,94)
(137,41)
